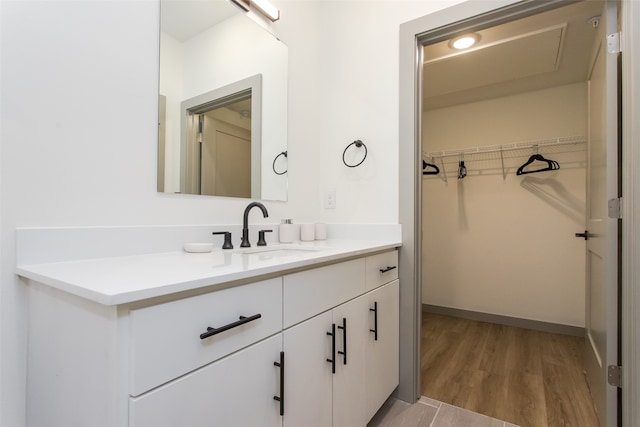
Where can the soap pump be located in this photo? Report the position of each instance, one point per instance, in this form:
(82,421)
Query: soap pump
(286,231)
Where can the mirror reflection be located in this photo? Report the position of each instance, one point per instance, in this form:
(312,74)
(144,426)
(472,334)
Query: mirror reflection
(223,94)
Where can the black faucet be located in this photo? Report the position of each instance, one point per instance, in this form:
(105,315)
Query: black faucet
(245,222)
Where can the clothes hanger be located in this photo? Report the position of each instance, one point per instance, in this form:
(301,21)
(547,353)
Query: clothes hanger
(462,169)
(425,171)
(551,165)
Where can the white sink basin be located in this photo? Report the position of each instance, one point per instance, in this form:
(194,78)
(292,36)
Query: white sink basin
(281,250)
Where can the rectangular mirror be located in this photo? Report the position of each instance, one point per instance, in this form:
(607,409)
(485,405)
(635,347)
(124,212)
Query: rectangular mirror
(223,103)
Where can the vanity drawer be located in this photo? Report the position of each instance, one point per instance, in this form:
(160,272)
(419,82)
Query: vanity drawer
(310,292)
(165,339)
(381,268)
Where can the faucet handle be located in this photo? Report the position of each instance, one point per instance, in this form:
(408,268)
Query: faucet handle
(227,239)
(261,241)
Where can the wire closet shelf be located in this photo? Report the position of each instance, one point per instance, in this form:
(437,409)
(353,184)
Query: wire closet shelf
(498,156)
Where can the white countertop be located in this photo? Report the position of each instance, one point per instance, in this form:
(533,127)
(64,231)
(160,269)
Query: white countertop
(126,279)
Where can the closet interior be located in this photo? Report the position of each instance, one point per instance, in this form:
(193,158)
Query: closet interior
(504,140)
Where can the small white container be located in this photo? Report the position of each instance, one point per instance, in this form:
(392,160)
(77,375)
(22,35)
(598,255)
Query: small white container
(286,231)
(307,232)
(321,231)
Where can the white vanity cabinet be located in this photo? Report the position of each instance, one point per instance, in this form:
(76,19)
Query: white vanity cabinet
(324,377)
(291,350)
(148,364)
(339,368)
(316,374)
(171,339)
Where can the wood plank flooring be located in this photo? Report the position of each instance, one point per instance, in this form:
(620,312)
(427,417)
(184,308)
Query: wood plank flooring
(524,377)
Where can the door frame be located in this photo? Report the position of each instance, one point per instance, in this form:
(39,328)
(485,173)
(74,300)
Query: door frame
(441,24)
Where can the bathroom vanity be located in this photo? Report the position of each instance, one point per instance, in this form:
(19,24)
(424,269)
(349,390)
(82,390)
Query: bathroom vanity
(279,336)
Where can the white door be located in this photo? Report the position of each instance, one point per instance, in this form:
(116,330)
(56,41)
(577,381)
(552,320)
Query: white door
(308,373)
(349,393)
(602,244)
(226,160)
(382,345)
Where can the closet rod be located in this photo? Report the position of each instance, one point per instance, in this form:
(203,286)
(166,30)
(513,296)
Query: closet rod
(507,147)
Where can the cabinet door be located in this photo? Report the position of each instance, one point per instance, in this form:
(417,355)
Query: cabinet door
(349,393)
(238,390)
(308,374)
(383,352)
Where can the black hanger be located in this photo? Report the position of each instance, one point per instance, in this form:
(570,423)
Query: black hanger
(551,165)
(425,171)
(462,169)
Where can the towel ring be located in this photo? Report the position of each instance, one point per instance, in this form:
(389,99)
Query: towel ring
(284,153)
(358,144)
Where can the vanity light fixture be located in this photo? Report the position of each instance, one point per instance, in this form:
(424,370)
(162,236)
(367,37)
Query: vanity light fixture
(266,8)
(464,41)
(241,4)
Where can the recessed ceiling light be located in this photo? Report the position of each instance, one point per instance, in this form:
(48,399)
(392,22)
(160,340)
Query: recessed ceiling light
(465,41)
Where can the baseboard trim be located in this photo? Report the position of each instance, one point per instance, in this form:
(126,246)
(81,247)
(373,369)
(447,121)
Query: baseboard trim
(535,325)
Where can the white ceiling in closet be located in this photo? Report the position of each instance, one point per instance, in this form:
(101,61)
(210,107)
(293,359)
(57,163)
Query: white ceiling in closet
(549,49)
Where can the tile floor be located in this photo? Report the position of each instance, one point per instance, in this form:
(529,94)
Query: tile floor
(427,412)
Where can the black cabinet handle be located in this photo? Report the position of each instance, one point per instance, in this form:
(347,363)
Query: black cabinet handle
(213,331)
(344,339)
(332,334)
(384,270)
(281,397)
(375,320)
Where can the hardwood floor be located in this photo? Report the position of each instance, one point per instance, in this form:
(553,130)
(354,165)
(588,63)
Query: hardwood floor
(524,377)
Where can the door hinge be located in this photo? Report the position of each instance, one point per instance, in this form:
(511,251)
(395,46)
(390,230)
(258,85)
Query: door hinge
(614,375)
(613,43)
(615,208)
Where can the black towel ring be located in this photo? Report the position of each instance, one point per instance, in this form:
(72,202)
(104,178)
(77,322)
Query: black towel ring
(358,144)
(284,153)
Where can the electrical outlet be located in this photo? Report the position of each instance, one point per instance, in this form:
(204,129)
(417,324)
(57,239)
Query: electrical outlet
(330,199)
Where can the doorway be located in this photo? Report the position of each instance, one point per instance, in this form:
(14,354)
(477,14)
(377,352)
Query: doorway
(536,188)
(498,238)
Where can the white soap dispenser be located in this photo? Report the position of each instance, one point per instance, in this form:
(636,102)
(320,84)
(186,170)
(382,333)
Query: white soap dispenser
(286,231)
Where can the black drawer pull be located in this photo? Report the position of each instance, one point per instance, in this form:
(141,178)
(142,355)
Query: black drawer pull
(344,339)
(332,334)
(375,321)
(213,331)
(281,397)
(384,270)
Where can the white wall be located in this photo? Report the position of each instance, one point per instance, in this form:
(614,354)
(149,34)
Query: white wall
(343,85)
(79,128)
(507,246)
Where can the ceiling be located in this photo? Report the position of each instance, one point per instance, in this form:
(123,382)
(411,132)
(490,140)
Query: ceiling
(183,19)
(549,49)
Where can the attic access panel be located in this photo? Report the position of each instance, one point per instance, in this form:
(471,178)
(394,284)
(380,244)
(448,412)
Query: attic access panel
(514,58)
